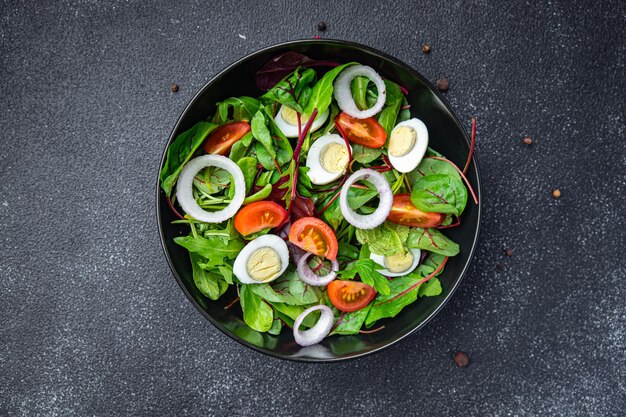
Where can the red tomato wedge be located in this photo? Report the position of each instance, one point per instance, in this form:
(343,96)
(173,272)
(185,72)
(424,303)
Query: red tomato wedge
(367,132)
(258,216)
(222,139)
(314,236)
(405,213)
(350,296)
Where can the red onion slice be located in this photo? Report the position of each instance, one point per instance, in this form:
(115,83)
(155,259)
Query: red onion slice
(307,275)
(316,333)
(184,188)
(385,197)
(343,93)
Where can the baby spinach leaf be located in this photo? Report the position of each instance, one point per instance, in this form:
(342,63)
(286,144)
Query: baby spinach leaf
(294,90)
(365,155)
(429,265)
(262,134)
(240,148)
(432,240)
(256,313)
(262,194)
(406,113)
(352,322)
(214,249)
(359,91)
(265,158)
(389,305)
(277,327)
(380,240)
(357,197)
(210,284)
(347,250)
(248,167)
(389,114)
(289,313)
(322,93)
(181,151)
(430,288)
(403,291)
(439,193)
(243,109)
(367,270)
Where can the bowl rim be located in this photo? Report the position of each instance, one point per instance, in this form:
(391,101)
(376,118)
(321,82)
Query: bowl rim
(372,51)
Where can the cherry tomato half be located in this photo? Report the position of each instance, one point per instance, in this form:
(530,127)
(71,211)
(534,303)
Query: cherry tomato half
(405,213)
(367,132)
(259,215)
(222,139)
(350,296)
(315,236)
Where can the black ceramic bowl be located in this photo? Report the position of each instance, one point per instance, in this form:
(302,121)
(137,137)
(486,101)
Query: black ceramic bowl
(447,136)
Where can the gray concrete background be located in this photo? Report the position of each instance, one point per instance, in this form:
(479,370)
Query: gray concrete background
(92,321)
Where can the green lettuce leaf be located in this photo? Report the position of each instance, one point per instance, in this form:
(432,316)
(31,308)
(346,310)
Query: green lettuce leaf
(256,313)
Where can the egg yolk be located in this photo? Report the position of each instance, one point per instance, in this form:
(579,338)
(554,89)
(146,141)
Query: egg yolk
(290,116)
(334,157)
(263,264)
(399,262)
(402,140)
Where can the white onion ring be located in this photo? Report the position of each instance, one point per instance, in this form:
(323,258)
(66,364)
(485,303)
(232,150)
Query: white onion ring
(385,197)
(316,333)
(307,275)
(184,188)
(343,93)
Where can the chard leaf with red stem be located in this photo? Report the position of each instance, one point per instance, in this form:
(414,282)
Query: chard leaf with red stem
(279,66)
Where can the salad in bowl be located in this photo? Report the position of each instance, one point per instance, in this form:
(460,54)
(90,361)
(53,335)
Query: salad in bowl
(319,201)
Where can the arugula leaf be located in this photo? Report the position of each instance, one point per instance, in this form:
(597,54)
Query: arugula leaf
(210,284)
(365,155)
(181,151)
(352,322)
(243,109)
(256,313)
(249,170)
(214,249)
(322,93)
(380,240)
(367,270)
(293,91)
(262,134)
(439,193)
(432,240)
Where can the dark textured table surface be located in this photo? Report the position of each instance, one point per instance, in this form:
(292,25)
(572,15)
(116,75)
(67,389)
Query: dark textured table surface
(92,321)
